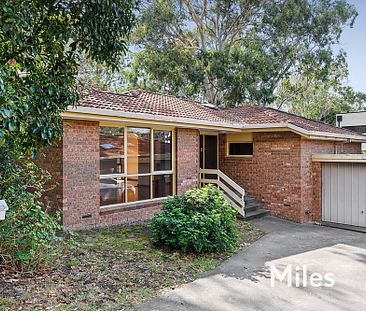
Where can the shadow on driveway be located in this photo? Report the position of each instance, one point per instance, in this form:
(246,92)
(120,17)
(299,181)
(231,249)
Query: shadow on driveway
(243,281)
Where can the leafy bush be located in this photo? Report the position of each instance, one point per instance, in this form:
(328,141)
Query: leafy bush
(28,233)
(199,221)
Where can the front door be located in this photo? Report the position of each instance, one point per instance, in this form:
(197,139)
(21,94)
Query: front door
(208,152)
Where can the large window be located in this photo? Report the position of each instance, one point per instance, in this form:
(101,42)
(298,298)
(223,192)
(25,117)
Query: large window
(135,164)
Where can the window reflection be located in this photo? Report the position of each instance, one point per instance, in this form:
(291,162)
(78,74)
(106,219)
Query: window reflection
(112,191)
(136,181)
(162,185)
(138,188)
(138,149)
(111,150)
(162,150)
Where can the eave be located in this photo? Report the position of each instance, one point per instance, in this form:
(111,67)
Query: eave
(106,115)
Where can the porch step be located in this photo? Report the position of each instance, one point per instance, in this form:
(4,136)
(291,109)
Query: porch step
(249,199)
(249,207)
(254,209)
(261,212)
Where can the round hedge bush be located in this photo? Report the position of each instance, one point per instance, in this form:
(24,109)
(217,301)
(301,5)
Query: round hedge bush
(199,221)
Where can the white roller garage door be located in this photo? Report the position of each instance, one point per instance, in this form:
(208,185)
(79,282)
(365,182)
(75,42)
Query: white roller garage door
(344,193)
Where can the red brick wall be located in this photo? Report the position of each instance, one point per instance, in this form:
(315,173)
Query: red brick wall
(188,144)
(311,173)
(51,159)
(81,174)
(76,166)
(281,174)
(81,201)
(272,175)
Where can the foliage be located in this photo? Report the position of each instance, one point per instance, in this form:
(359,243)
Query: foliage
(111,269)
(28,232)
(94,75)
(319,100)
(41,43)
(230,52)
(199,221)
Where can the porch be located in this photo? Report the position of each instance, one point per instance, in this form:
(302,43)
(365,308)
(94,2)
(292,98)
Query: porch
(238,146)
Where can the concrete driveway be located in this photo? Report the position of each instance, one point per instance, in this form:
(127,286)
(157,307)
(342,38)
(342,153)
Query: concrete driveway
(244,281)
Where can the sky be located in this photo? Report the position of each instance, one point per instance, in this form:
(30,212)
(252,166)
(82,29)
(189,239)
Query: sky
(353,41)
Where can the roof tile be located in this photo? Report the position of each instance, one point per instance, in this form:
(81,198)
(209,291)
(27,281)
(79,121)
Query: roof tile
(171,106)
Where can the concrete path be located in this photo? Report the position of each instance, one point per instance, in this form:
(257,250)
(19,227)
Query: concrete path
(243,282)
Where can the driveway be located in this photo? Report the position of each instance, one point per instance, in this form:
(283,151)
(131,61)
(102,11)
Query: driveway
(243,282)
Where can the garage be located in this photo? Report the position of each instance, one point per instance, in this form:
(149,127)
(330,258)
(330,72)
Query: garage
(343,195)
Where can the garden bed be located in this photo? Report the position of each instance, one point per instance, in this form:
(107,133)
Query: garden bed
(110,269)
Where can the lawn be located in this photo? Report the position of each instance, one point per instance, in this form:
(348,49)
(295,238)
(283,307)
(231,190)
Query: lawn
(110,269)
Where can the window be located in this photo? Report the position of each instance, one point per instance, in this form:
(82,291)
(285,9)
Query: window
(138,151)
(135,164)
(162,150)
(240,149)
(162,185)
(111,150)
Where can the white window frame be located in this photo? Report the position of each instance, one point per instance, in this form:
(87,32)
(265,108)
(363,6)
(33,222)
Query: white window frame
(152,173)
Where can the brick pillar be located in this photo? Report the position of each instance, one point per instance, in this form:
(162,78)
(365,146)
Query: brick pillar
(188,144)
(80,174)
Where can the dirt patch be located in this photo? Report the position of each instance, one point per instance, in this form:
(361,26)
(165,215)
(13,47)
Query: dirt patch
(109,269)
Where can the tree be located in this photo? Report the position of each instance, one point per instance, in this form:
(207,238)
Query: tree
(231,52)
(40,46)
(314,99)
(319,100)
(94,75)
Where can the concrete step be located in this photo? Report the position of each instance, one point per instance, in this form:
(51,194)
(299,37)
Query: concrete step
(249,198)
(261,212)
(249,207)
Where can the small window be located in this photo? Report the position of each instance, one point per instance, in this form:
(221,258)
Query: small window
(240,149)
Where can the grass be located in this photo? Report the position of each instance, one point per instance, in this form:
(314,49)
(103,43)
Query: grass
(111,269)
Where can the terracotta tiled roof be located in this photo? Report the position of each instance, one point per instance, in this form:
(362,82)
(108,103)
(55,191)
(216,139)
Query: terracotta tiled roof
(154,104)
(148,103)
(263,115)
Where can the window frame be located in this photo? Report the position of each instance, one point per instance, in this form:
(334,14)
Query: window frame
(228,155)
(152,172)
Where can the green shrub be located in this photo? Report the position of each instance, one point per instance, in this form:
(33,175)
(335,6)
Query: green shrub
(28,234)
(199,221)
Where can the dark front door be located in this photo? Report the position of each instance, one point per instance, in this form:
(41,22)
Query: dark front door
(208,154)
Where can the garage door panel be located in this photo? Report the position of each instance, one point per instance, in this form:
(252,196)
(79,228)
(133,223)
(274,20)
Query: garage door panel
(326,192)
(334,193)
(348,195)
(341,184)
(357,180)
(344,193)
(362,191)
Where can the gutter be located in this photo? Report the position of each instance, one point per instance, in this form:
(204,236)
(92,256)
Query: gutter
(339,158)
(97,114)
(149,117)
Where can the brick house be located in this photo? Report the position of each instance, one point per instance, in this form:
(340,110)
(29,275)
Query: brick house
(122,154)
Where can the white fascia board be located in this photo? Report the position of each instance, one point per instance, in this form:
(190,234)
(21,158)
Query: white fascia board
(157,118)
(150,117)
(306,133)
(314,134)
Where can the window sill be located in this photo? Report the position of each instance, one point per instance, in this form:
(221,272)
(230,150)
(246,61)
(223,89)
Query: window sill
(239,156)
(108,209)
